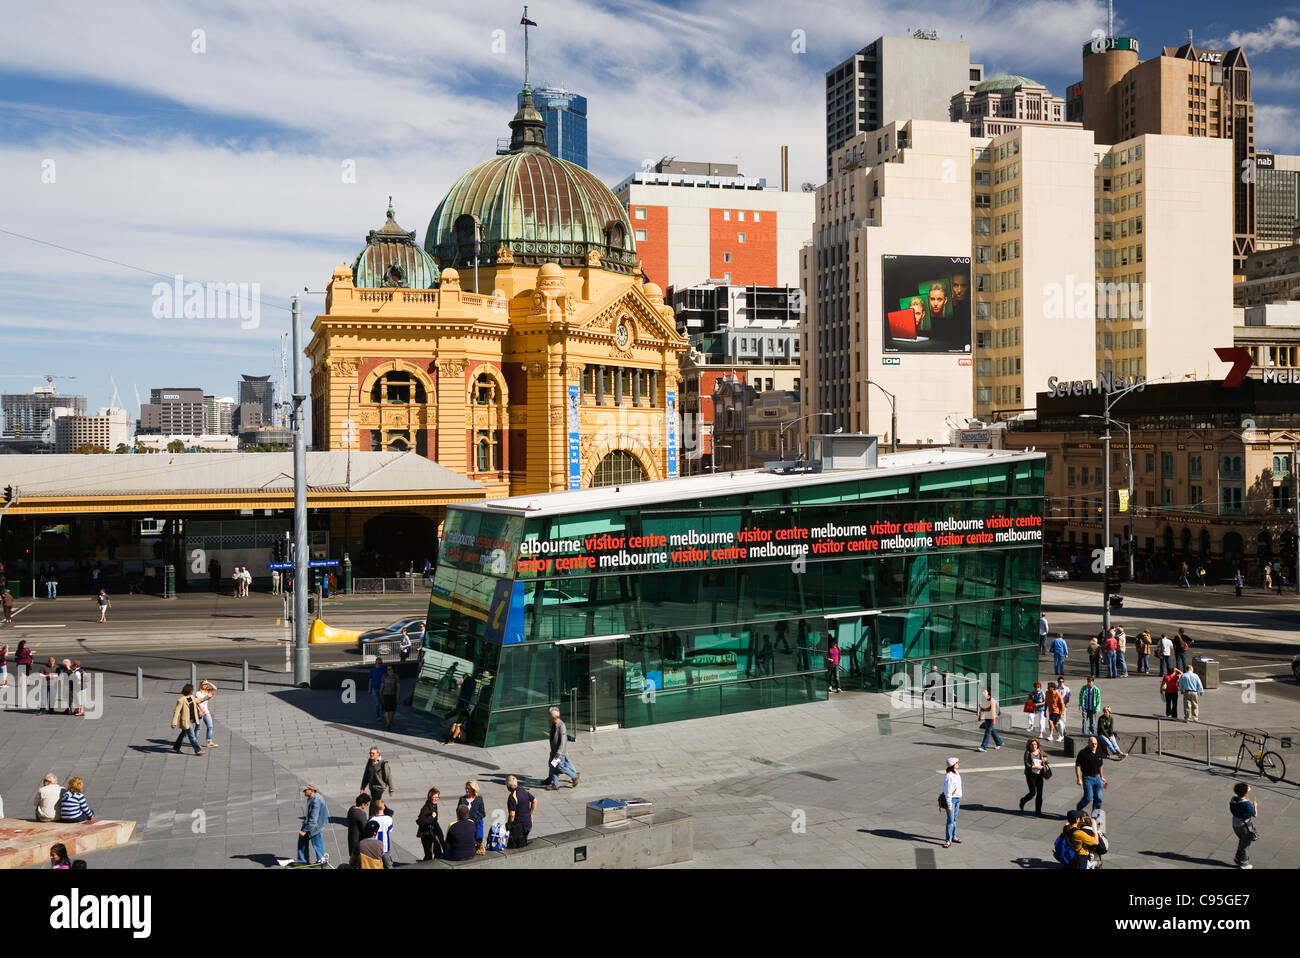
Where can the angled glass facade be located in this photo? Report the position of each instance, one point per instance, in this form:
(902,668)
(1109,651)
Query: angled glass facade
(706,602)
(565,114)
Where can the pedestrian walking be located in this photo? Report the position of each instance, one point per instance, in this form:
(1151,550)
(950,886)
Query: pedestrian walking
(1094,657)
(1243,811)
(377,673)
(4,666)
(1060,652)
(203,699)
(72,803)
(104,605)
(461,844)
(1088,775)
(1038,712)
(1268,579)
(1055,712)
(357,818)
(389,688)
(383,817)
(1037,770)
(378,778)
(1166,653)
(47,797)
(237,583)
(988,715)
(1169,688)
(278,589)
(833,665)
(49,686)
(1192,689)
(1042,634)
(1090,705)
(1182,643)
(404,648)
(314,820)
(186,717)
(77,685)
(248,581)
(520,806)
(1182,577)
(1065,697)
(1111,647)
(428,829)
(1121,649)
(1081,836)
(23,662)
(1238,581)
(472,801)
(52,584)
(1144,652)
(1106,734)
(7,600)
(559,763)
(951,796)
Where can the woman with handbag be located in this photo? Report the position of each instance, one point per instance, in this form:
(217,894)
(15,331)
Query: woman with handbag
(473,800)
(950,801)
(1036,772)
(1094,657)
(1243,823)
(428,829)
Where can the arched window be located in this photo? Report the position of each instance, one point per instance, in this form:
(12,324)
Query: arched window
(486,392)
(614,234)
(397,388)
(618,469)
(487,451)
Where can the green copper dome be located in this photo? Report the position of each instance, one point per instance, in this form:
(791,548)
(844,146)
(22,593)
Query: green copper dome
(543,209)
(391,258)
(1006,83)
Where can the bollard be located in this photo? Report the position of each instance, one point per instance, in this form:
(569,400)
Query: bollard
(139,682)
(288,650)
(245,675)
(1208,763)
(194,675)
(1159,744)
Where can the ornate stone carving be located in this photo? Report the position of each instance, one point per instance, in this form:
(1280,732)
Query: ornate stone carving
(537,370)
(557,417)
(518,416)
(574,371)
(504,256)
(366,417)
(344,367)
(452,367)
(593,258)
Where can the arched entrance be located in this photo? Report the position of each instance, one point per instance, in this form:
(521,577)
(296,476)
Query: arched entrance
(618,469)
(1263,548)
(396,542)
(1205,545)
(1234,553)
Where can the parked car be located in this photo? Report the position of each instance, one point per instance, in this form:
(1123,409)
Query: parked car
(1053,572)
(1295,667)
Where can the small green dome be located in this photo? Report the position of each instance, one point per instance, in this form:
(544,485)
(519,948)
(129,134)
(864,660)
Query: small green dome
(1006,83)
(542,208)
(391,258)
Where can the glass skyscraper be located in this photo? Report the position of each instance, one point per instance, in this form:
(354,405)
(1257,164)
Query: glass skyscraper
(685,598)
(565,113)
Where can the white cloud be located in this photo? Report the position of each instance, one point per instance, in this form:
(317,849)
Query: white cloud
(1277,128)
(1282,32)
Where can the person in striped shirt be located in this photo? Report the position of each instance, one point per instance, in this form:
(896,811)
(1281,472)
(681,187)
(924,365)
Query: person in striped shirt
(72,803)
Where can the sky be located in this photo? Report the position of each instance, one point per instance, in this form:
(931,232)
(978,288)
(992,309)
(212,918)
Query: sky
(249,143)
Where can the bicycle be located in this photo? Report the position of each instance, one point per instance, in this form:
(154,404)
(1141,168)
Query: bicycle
(1270,764)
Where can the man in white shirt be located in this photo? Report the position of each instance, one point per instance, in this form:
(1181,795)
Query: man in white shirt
(385,822)
(248,581)
(1042,634)
(1166,653)
(46,801)
(1122,639)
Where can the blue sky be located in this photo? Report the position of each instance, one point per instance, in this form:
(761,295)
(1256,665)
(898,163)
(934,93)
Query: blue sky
(220,154)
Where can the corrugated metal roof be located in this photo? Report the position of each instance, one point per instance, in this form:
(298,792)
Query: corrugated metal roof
(224,473)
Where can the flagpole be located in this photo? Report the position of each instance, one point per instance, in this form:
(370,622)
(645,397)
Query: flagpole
(525,47)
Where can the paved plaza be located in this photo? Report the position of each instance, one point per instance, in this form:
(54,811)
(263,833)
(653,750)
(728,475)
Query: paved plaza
(848,782)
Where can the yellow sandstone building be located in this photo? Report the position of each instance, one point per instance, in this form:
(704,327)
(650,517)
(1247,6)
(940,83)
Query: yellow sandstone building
(519,347)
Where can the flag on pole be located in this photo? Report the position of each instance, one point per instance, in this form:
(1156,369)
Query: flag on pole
(524,21)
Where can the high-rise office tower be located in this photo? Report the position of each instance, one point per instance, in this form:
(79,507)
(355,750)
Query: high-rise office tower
(1277,200)
(258,391)
(565,113)
(1185,91)
(895,78)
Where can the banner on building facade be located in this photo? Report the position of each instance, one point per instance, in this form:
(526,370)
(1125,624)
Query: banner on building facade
(575,447)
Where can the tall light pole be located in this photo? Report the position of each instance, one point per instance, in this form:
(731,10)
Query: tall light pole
(301,650)
(793,422)
(1128,431)
(893,414)
(714,457)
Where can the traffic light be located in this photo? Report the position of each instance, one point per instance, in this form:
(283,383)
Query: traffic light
(1114,579)
(9,494)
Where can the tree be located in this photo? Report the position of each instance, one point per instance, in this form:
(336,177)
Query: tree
(89,448)
(176,445)
(122,448)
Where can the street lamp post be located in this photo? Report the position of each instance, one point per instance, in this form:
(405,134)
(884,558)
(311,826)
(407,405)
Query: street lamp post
(714,457)
(793,422)
(1128,432)
(893,414)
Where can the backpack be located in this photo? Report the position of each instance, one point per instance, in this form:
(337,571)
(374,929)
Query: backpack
(497,837)
(1061,851)
(1182,644)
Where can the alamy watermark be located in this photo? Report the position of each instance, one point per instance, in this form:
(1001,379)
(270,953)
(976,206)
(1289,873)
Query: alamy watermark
(55,693)
(181,300)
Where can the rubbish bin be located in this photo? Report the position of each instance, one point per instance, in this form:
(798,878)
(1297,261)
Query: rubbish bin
(1068,746)
(606,811)
(1208,670)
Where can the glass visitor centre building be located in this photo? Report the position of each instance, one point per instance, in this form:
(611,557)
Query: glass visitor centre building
(683,598)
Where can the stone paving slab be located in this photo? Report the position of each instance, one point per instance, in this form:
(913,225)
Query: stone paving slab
(25,843)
